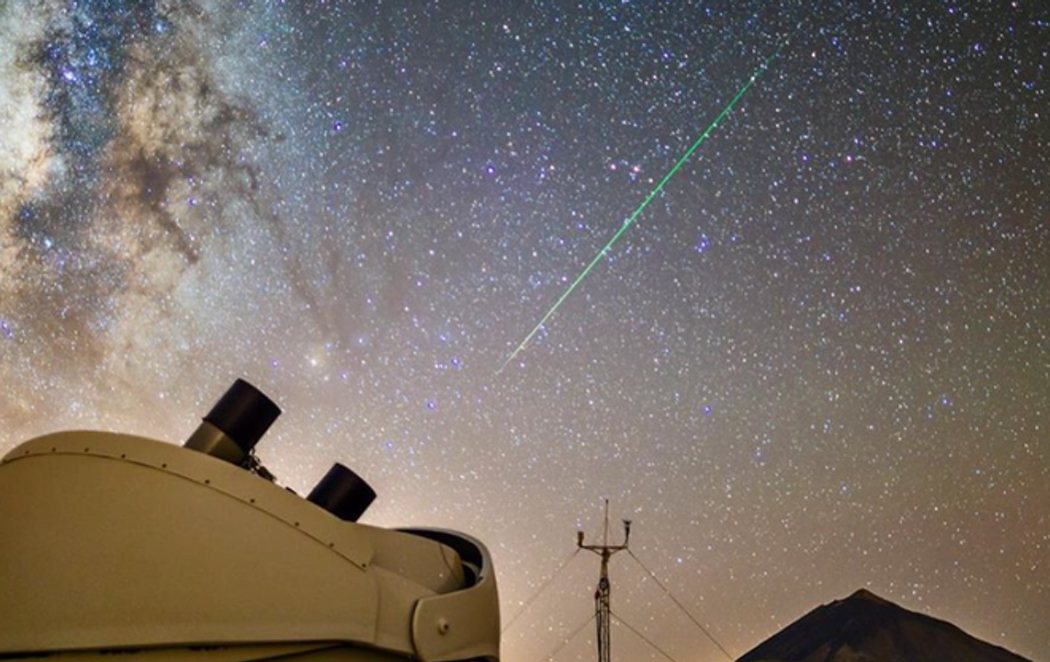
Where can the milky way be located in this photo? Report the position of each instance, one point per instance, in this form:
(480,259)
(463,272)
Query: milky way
(819,360)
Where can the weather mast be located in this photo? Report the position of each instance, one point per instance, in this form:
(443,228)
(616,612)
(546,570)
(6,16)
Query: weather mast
(602,594)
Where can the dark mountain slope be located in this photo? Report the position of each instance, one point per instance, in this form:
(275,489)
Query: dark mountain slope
(866,628)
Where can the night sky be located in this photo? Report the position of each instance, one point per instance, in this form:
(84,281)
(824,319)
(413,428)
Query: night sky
(819,360)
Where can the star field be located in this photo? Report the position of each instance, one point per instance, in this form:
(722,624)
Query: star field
(820,359)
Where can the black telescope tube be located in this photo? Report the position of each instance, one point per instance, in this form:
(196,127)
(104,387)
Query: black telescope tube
(244,414)
(342,493)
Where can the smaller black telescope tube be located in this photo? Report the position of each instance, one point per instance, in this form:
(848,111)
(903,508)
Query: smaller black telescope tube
(342,493)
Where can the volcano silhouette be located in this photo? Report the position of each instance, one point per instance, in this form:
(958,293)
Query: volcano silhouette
(866,628)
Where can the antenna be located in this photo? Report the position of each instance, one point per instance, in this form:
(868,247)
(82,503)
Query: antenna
(602,594)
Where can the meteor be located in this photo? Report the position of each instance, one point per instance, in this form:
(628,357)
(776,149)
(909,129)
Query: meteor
(652,194)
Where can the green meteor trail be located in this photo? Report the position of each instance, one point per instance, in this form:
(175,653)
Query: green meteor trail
(652,194)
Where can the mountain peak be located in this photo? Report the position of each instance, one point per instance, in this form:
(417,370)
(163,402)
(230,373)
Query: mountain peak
(864,626)
(865,594)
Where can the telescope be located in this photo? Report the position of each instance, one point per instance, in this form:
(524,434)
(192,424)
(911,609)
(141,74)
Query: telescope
(118,547)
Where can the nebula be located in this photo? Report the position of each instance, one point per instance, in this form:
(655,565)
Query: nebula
(125,164)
